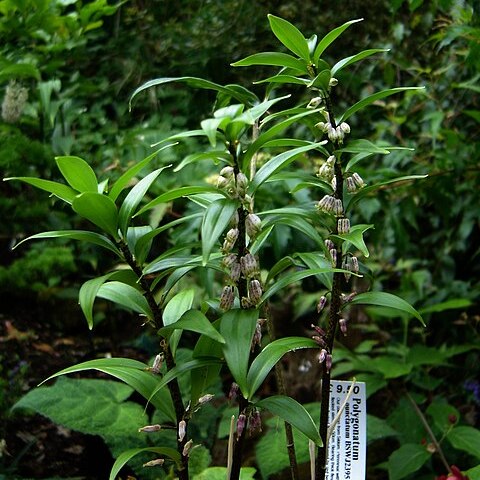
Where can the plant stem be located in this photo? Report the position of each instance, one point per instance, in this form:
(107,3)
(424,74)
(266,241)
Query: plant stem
(173,386)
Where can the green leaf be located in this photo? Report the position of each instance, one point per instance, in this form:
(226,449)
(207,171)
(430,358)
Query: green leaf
(384,299)
(216,219)
(473,473)
(295,222)
(345,62)
(216,156)
(81,235)
(322,80)
(124,180)
(378,428)
(18,70)
(466,439)
(124,457)
(220,473)
(355,237)
(442,414)
(453,304)
(294,413)
(284,79)
(364,146)
(279,162)
(296,277)
(194,321)
(134,374)
(268,357)
(373,98)
(63,192)
(78,173)
(99,209)
(315,260)
(273,59)
(237,328)
(174,194)
(290,36)
(242,95)
(409,458)
(175,308)
(210,127)
(126,296)
(134,197)
(329,38)
(390,367)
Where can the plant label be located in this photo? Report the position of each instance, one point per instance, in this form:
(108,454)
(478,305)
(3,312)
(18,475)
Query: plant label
(347,444)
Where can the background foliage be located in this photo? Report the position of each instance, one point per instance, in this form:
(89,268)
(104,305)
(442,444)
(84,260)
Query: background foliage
(79,63)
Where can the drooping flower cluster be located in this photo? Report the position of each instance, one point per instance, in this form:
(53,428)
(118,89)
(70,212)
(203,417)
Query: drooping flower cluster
(336,134)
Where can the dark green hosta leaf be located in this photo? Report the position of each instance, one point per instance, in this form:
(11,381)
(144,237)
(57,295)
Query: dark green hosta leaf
(273,59)
(126,296)
(99,209)
(279,162)
(131,372)
(373,98)
(466,439)
(237,328)
(409,458)
(63,192)
(345,62)
(294,413)
(384,299)
(242,95)
(78,173)
(194,321)
(355,237)
(126,456)
(217,217)
(290,36)
(134,197)
(329,38)
(81,235)
(267,359)
(124,180)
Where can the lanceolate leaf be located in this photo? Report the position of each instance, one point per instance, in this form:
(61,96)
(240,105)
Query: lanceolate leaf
(99,209)
(64,192)
(78,173)
(134,197)
(406,460)
(195,321)
(268,357)
(290,36)
(243,95)
(124,180)
(355,237)
(294,413)
(284,79)
(126,456)
(467,439)
(133,373)
(237,328)
(274,59)
(355,58)
(126,296)
(83,236)
(383,299)
(278,162)
(373,98)
(217,217)
(329,38)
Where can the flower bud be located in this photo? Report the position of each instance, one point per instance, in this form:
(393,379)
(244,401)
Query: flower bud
(150,428)
(229,260)
(319,330)
(255,291)
(322,356)
(227,172)
(333,82)
(187,447)
(338,208)
(321,304)
(329,244)
(314,102)
(343,226)
(319,340)
(343,326)
(325,172)
(227,297)
(232,235)
(242,183)
(332,133)
(354,264)
(340,134)
(333,255)
(322,126)
(255,422)
(346,265)
(247,202)
(235,272)
(253,225)
(154,463)
(182,430)
(241,422)
(358,180)
(326,204)
(257,336)
(222,182)
(246,302)
(205,399)
(333,183)
(328,362)
(345,127)
(351,186)
(157,364)
(233,393)
(249,265)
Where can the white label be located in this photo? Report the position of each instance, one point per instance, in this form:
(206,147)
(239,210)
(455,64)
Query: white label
(347,445)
